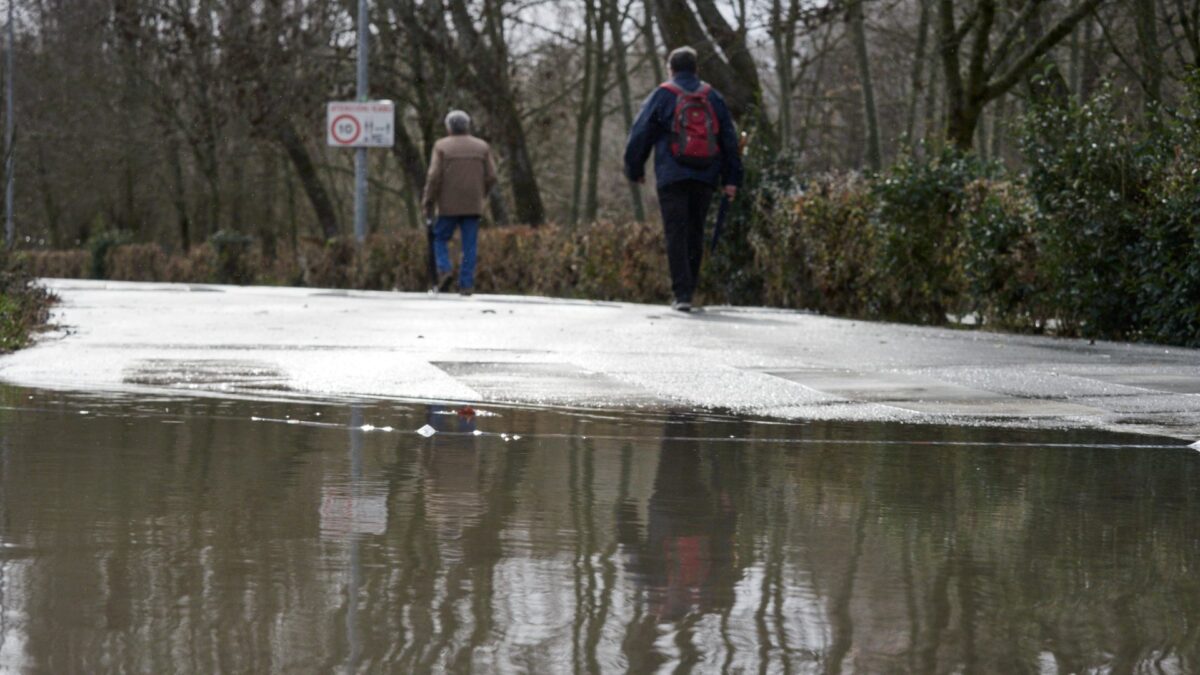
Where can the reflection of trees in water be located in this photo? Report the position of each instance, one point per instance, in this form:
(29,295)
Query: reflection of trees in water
(198,546)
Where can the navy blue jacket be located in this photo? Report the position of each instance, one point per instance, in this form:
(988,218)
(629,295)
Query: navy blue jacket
(652,129)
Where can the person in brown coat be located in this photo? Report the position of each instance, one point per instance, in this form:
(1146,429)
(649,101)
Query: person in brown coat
(461,174)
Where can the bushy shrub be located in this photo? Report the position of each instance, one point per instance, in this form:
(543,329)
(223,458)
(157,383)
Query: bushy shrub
(68,264)
(1089,173)
(236,260)
(1167,275)
(513,259)
(919,204)
(328,264)
(136,262)
(196,266)
(394,262)
(1120,207)
(618,262)
(1000,257)
(24,306)
(99,245)
(820,252)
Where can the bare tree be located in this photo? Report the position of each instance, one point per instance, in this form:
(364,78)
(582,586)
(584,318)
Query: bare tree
(991,71)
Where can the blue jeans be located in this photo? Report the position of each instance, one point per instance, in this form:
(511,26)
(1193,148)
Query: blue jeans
(443,232)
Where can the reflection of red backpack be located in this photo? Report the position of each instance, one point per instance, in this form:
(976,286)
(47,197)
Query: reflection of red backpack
(694,127)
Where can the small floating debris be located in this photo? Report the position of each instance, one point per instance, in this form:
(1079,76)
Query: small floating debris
(83,412)
(477,433)
(427,431)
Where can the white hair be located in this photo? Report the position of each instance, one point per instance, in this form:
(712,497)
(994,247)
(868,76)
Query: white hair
(458,122)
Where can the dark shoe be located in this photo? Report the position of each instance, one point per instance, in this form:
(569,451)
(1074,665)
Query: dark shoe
(465,292)
(444,281)
(681,306)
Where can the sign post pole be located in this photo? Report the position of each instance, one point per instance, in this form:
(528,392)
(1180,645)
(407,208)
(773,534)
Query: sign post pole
(360,156)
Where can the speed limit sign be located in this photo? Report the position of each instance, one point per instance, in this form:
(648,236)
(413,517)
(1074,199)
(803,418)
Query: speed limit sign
(369,124)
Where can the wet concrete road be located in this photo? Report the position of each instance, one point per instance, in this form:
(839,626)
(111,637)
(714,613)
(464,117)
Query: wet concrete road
(267,341)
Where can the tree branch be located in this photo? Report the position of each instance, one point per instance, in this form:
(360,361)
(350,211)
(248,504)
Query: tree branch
(1040,49)
(1010,36)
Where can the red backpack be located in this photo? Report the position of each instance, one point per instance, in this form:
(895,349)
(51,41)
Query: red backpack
(694,127)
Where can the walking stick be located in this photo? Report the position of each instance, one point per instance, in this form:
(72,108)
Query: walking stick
(431,261)
(723,209)
(722,213)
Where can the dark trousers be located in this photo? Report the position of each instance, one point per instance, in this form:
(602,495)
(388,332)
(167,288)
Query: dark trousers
(684,209)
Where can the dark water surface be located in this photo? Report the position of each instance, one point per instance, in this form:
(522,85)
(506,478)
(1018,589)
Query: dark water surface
(166,535)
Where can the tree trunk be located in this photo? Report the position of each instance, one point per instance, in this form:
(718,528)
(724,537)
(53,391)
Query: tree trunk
(783,38)
(179,193)
(1090,68)
(127,25)
(492,84)
(526,196)
(1076,51)
(1151,55)
(818,81)
(858,33)
(499,208)
(584,112)
(309,180)
(598,85)
(409,157)
(918,71)
(622,73)
(49,205)
(934,124)
(998,128)
(656,59)
(1046,83)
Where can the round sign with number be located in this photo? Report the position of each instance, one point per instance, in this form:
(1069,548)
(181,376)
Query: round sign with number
(345,129)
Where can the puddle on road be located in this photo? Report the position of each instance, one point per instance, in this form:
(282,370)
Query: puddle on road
(161,534)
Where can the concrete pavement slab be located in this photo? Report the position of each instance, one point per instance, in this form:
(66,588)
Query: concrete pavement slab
(260,341)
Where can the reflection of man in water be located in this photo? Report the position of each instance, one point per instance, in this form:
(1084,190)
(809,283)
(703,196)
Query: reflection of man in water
(452,479)
(688,559)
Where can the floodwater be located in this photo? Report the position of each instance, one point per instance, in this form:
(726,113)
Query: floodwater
(169,535)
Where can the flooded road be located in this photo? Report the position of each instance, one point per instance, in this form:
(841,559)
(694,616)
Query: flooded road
(144,534)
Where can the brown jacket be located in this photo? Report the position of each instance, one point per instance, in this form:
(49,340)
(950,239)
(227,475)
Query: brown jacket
(461,173)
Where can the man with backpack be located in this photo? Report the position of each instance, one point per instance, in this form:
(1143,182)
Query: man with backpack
(687,124)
